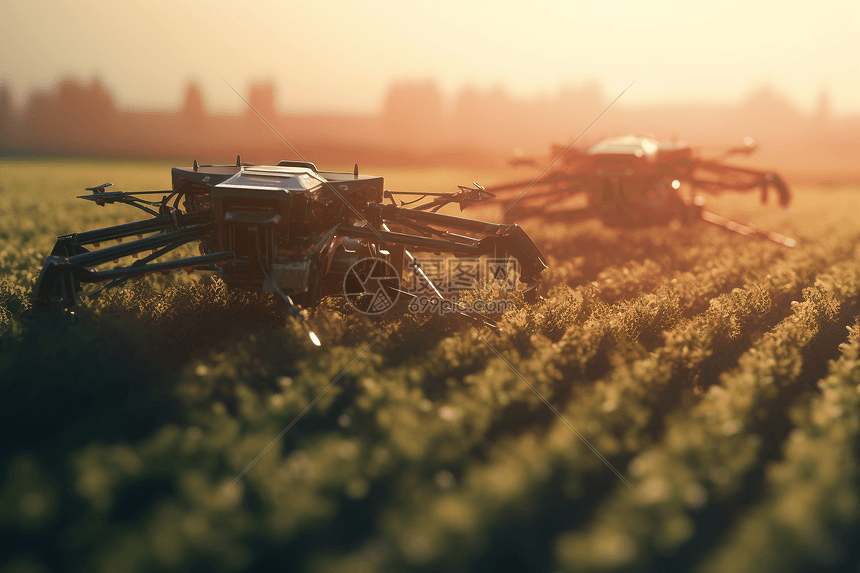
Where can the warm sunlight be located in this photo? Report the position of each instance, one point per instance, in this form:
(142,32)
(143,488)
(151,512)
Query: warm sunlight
(332,55)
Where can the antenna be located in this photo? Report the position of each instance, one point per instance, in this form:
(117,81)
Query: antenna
(551,163)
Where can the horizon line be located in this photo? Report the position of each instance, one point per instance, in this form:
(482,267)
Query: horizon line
(22,97)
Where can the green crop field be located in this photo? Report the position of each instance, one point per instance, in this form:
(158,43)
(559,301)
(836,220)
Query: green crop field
(704,391)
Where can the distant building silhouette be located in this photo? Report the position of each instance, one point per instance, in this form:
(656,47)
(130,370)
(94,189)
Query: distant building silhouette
(261,96)
(480,128)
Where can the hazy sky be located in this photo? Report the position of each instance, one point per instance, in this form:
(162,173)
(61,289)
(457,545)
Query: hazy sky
(335,55)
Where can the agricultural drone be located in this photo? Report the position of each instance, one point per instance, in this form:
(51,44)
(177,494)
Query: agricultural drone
(287,228)
(636,181)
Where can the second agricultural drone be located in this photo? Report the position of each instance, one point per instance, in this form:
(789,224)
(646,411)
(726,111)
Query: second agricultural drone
(637,181)
(287,228)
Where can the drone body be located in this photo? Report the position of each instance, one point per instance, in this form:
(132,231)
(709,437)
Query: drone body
(287,228)
(637,181)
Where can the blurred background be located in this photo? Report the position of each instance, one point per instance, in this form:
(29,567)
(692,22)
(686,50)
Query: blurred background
(449,83)
(468,84)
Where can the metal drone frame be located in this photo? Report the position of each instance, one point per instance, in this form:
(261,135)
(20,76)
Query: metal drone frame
(289,228)
(636,181)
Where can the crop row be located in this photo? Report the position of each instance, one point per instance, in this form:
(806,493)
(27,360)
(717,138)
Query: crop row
(430,452)
(630,273)
(709,450)
(415,423)
(808,518)
(616,414)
